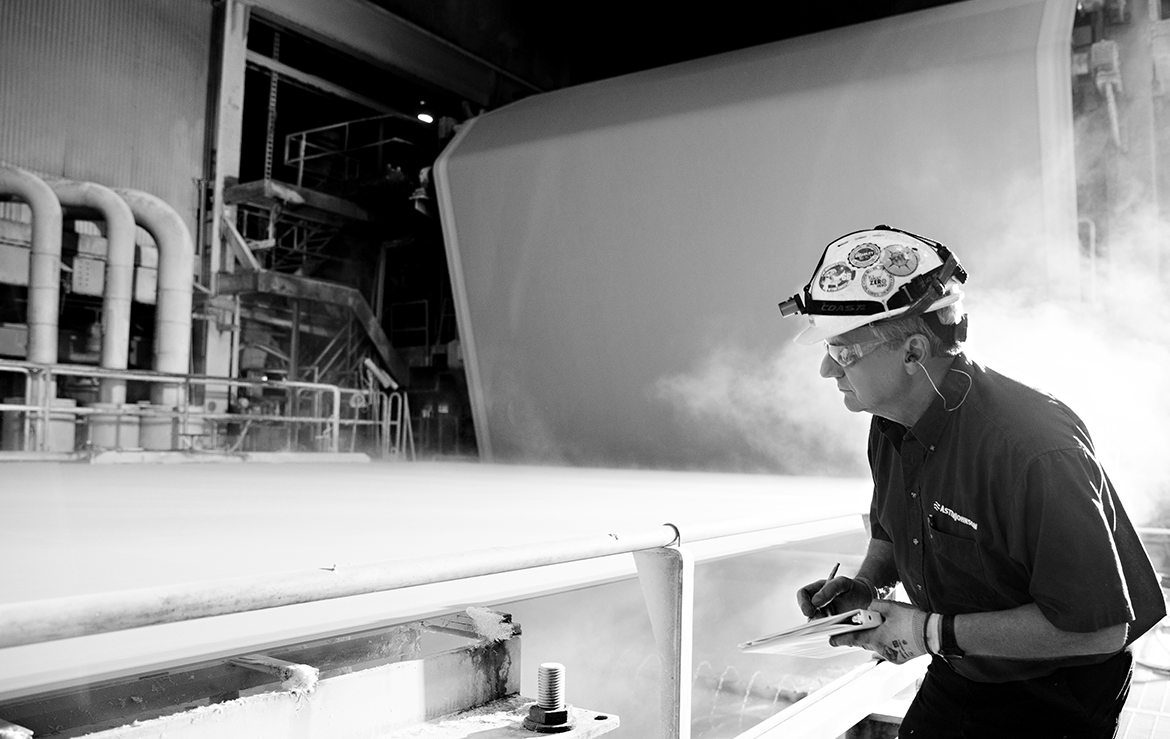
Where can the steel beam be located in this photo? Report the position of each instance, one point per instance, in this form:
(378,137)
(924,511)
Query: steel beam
(307,288)
(314,82)
(364,29)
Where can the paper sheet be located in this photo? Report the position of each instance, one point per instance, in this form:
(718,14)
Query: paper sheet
(811,639)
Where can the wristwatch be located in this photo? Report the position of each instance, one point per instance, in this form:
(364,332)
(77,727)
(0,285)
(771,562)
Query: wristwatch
(948,647)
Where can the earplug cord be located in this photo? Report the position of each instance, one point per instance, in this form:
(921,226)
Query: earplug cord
(936,392)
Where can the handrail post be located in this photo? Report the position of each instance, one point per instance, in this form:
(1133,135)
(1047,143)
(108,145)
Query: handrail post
(47,392)
(335,444)
(667,575)
(301,163)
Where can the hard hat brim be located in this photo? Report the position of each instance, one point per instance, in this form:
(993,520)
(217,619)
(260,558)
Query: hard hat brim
(821,328)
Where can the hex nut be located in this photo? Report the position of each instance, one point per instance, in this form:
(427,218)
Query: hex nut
(547,721)
(548,716)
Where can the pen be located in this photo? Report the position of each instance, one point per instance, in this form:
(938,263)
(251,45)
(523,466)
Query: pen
(824,610)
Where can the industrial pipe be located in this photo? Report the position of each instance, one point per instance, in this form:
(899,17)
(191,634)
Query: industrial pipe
(119,285)
(44,268)
(176,263)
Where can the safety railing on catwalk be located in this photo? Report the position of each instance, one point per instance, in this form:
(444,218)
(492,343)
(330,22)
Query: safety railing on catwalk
(664,558)
(256,415)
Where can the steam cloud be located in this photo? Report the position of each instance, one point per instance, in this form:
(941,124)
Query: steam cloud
(1107,357)
(1108,361)
(769,414)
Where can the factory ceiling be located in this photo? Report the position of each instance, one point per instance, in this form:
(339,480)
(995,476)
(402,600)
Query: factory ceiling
(556,44)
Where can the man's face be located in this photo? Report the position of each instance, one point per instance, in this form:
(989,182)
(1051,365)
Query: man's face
(875,382)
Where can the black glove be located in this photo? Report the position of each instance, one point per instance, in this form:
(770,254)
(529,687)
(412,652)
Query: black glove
(829,597)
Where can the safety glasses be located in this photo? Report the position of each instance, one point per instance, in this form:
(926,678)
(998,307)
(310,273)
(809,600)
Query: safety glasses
(847,354)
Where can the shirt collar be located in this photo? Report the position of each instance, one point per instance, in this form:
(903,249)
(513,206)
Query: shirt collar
(954,387)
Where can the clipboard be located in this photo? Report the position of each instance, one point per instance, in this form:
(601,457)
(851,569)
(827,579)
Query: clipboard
(811,639)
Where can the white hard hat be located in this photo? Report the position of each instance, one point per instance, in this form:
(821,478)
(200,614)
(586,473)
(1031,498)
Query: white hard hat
(869,276)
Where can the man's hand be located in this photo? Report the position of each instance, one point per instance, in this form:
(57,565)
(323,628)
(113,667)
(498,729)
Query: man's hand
(830,597)
(900,637)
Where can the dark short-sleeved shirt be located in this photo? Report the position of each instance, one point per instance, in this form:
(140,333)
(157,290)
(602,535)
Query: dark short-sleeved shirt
(1001,502)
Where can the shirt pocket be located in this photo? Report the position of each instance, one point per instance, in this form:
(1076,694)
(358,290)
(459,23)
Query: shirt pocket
(956,576)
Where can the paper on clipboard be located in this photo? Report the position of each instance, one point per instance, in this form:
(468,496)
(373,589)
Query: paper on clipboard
(811,639)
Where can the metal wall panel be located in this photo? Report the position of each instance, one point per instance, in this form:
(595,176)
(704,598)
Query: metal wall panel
(108,91)
(617,249)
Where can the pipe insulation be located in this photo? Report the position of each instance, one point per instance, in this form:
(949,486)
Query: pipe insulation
(119,287)
(176,263)
(44,269)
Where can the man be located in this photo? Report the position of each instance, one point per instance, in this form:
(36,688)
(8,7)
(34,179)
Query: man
(1027,582)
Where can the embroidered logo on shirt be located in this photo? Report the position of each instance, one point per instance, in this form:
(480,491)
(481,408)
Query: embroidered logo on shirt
(948,512)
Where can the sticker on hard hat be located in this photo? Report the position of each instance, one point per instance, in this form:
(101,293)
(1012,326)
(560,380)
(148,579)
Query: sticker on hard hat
(836,277)
(876,281)
(865,254)
(899,259)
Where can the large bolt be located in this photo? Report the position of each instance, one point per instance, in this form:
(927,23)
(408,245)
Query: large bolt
(550,686)
(550,714)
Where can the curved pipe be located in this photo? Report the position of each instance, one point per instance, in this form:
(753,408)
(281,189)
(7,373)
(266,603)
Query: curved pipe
(119,286)
(44,267)
(176,263)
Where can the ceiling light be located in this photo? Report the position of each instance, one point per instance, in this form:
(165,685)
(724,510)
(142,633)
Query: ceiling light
(426,118)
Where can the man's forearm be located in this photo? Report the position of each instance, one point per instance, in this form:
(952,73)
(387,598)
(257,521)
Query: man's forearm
(1017,633)
(1025,633)
(878,566)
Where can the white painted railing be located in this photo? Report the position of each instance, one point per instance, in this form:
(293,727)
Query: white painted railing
(665,568)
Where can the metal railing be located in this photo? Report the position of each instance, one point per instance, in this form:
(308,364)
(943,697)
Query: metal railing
(388,421)
(665,568)
(397,433)
(40,394)
(345,151)
(664,559)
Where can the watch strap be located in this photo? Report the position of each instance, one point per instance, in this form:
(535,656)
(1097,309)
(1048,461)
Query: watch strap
(949,648)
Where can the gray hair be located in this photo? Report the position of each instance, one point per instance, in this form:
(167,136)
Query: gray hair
(898,329)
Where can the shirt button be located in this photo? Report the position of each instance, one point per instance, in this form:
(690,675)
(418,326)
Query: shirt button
(915,542)
(913,493)
(918,586)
